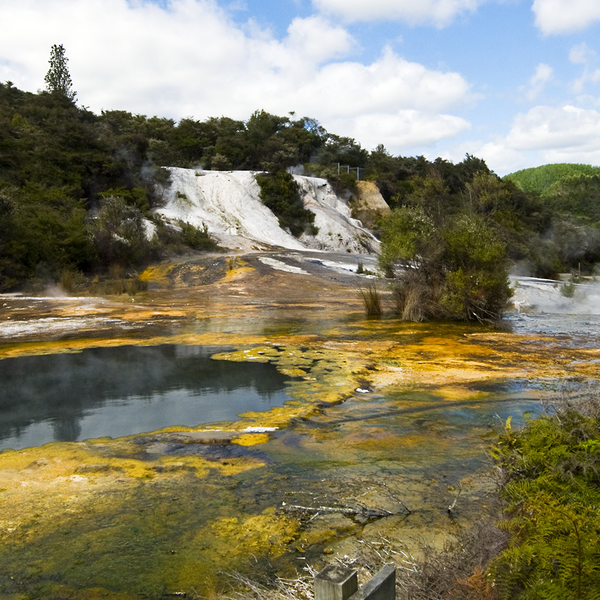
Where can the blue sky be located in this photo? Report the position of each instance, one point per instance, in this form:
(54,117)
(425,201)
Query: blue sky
(516,82)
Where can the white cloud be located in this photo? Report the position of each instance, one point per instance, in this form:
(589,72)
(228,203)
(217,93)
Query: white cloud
(349,88)
(314,40)
(582,54)
(192,60)
(565,16)
(543,74)
(498,157)
(436,12)
(568,128)
(543,135)
(406,132)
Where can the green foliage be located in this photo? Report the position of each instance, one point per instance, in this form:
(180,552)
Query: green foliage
(281,194)
(571,193)
(551,481)
(567,289)
(119,233)
(476,286)
(449,261)
(49,228)
(342,183)
(58,79)
(59,163)
(196,238)
(577,195)
(178,238)
(137,196)
(540,179)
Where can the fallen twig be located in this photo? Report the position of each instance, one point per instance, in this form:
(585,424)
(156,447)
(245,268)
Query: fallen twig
(369,513)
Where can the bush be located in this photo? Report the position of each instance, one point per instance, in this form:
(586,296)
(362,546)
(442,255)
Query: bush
(119,233)
(196,238)
(567,289)
(281,194)
(550,474)
(455,268)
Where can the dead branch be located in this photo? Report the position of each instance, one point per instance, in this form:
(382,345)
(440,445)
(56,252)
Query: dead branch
(394,497)
(362,511)
(451,507)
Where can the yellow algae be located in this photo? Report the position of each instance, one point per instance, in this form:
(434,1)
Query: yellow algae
(293,372)
(158,274)
(229,543)
(267,532)
(237,270)
(251,439)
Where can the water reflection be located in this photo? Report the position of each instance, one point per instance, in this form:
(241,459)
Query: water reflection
(123,390)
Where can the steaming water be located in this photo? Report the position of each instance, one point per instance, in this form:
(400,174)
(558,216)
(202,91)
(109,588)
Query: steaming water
(125,390)
(570,330)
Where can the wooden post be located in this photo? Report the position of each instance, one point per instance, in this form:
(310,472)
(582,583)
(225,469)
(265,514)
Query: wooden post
(335,582)
(382,586)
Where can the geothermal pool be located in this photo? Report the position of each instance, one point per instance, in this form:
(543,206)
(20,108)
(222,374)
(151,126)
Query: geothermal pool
(124,390)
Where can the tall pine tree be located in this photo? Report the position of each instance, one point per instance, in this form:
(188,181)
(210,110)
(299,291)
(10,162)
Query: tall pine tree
(58,79)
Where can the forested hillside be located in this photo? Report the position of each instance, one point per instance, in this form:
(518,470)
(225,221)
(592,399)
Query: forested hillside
(571,192)
(540,179)
(75,188)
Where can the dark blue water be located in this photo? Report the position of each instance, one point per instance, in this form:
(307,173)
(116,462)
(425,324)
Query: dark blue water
(125,390)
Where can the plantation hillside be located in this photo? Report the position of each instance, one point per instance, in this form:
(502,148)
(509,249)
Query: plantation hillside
(540,179)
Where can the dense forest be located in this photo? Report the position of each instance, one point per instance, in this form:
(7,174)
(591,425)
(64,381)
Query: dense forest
(75,188)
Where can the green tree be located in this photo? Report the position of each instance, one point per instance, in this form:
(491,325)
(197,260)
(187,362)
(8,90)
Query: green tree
(119,234)
(58,79)
(448,261)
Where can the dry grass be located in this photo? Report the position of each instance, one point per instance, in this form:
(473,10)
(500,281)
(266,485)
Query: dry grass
(117,287)
(455,573)
(411,301)
(371,298)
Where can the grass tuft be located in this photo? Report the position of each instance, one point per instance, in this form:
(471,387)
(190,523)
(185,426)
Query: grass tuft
(371,298)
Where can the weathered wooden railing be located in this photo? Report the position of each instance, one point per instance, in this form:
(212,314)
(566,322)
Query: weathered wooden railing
(336,582)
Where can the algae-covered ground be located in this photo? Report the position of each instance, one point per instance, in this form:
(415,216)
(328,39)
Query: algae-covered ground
(386,421)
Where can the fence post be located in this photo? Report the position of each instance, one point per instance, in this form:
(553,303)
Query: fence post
(335,582)
(382,586)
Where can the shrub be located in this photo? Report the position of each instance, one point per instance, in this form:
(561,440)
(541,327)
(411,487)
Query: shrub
(454,268)
(196,238)
(550,479)
(567,289)
(119,234)
(281,194)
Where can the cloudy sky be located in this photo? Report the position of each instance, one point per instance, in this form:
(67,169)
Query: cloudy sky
(516,82)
